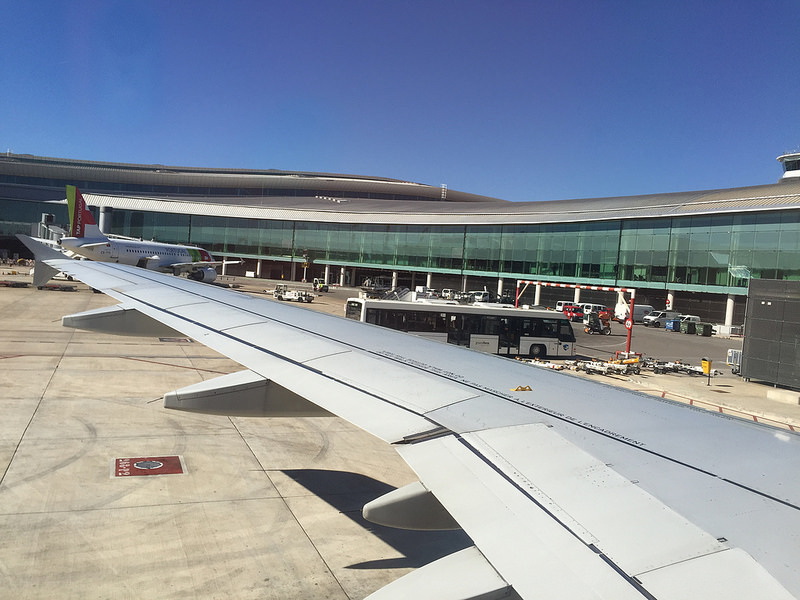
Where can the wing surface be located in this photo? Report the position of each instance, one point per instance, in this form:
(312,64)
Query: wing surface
(197,264)
(570,490)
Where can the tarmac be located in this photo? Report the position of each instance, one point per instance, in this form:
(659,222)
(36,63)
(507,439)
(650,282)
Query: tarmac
(105,494)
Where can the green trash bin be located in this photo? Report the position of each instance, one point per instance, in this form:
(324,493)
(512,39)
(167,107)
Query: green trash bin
(689,327)
(704,329)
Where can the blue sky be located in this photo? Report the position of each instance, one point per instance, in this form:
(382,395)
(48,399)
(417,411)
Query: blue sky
(518,100)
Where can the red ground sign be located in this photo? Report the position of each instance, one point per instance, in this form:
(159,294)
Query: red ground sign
(148,465)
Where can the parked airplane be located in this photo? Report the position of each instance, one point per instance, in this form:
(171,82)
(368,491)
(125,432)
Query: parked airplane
(90,242)
(568,488)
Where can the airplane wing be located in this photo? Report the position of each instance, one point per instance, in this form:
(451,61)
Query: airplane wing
(568,488)
(92,245)
(184,267)
(195,265)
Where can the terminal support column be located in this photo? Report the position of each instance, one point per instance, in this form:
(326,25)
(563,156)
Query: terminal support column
(729,304)
(500,287)
(429,280)
(327,276)
(105,219)
(537,296)
(341,276)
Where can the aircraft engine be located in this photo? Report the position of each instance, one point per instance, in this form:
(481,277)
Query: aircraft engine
(204,274)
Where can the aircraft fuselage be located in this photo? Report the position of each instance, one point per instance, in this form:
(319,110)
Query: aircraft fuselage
(151,255)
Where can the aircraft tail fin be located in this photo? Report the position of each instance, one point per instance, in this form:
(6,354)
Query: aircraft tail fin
(81,220)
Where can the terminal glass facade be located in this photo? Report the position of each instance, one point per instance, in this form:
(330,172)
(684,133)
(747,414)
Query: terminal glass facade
(705,253)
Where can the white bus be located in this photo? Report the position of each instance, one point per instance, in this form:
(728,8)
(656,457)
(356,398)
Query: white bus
(536,333)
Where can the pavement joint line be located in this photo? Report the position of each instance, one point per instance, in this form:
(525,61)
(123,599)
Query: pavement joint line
(167,364)
(92,509)
(35,410)
(288,508)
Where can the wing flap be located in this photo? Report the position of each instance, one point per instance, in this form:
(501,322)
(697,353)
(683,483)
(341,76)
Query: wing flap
(587,527)
(501,519)
(628,525)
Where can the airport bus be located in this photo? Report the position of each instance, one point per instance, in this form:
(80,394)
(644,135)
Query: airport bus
(496,329)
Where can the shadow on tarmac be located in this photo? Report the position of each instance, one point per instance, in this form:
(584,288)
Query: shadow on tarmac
(348,492)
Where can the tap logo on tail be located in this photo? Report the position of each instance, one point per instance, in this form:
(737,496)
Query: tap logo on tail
(79,216)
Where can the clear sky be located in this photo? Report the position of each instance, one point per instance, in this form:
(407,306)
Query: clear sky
(536,100)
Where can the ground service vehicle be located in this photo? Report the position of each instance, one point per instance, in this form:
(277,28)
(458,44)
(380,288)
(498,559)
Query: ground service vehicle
(507,331)
(573,312)
(282,292)
(562,303)
(597,322)
(659,318)
(597,308)
(640,311)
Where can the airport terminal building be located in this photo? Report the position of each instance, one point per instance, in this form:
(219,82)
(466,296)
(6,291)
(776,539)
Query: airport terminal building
(694,250)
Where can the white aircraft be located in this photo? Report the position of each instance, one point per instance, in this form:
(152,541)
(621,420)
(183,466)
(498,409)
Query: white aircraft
(90,242)
(568,488)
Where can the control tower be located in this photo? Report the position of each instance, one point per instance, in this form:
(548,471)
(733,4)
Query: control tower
(791,166)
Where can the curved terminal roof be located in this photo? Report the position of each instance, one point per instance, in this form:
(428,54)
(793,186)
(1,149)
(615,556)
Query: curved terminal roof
(397,202)
(782,196)
(107,177)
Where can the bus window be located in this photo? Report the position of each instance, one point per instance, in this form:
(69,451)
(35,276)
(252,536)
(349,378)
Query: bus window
(549,328)
(489,325)
(510,328)
(459,328)
(527,327)
(428,322)
(353,310)
(565,333)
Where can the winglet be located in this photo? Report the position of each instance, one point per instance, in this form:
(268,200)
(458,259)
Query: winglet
(42,272)
(40,251)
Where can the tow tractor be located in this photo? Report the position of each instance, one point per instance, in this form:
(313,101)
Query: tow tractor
(282,292)
(597,322)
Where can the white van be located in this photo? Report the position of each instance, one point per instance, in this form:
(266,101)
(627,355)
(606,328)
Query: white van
(595,308)
(640,311)
(659,318)
(562,303)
